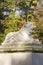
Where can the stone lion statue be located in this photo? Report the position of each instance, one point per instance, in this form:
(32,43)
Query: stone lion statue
(23,36)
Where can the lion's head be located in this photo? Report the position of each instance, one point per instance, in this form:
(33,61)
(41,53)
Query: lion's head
(28,26)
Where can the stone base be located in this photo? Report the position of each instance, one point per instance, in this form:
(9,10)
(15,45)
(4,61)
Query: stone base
(21,58)
(17,58)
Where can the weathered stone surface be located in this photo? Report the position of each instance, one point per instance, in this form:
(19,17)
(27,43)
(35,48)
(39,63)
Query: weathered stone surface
(37,58)
(21,58)
(16,58)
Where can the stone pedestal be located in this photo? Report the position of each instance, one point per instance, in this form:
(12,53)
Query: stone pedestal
(37,58)
(21,58)
(17,58)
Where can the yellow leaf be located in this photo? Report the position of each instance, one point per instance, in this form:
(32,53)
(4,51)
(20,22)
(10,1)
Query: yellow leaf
(34,1)
(34,24)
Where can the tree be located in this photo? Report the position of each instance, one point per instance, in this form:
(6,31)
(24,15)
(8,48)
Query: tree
(11,23)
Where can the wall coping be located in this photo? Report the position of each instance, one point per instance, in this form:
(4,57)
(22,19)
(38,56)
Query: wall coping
(23,48)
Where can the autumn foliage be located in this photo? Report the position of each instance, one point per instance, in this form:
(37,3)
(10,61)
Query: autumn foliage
(12,23)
